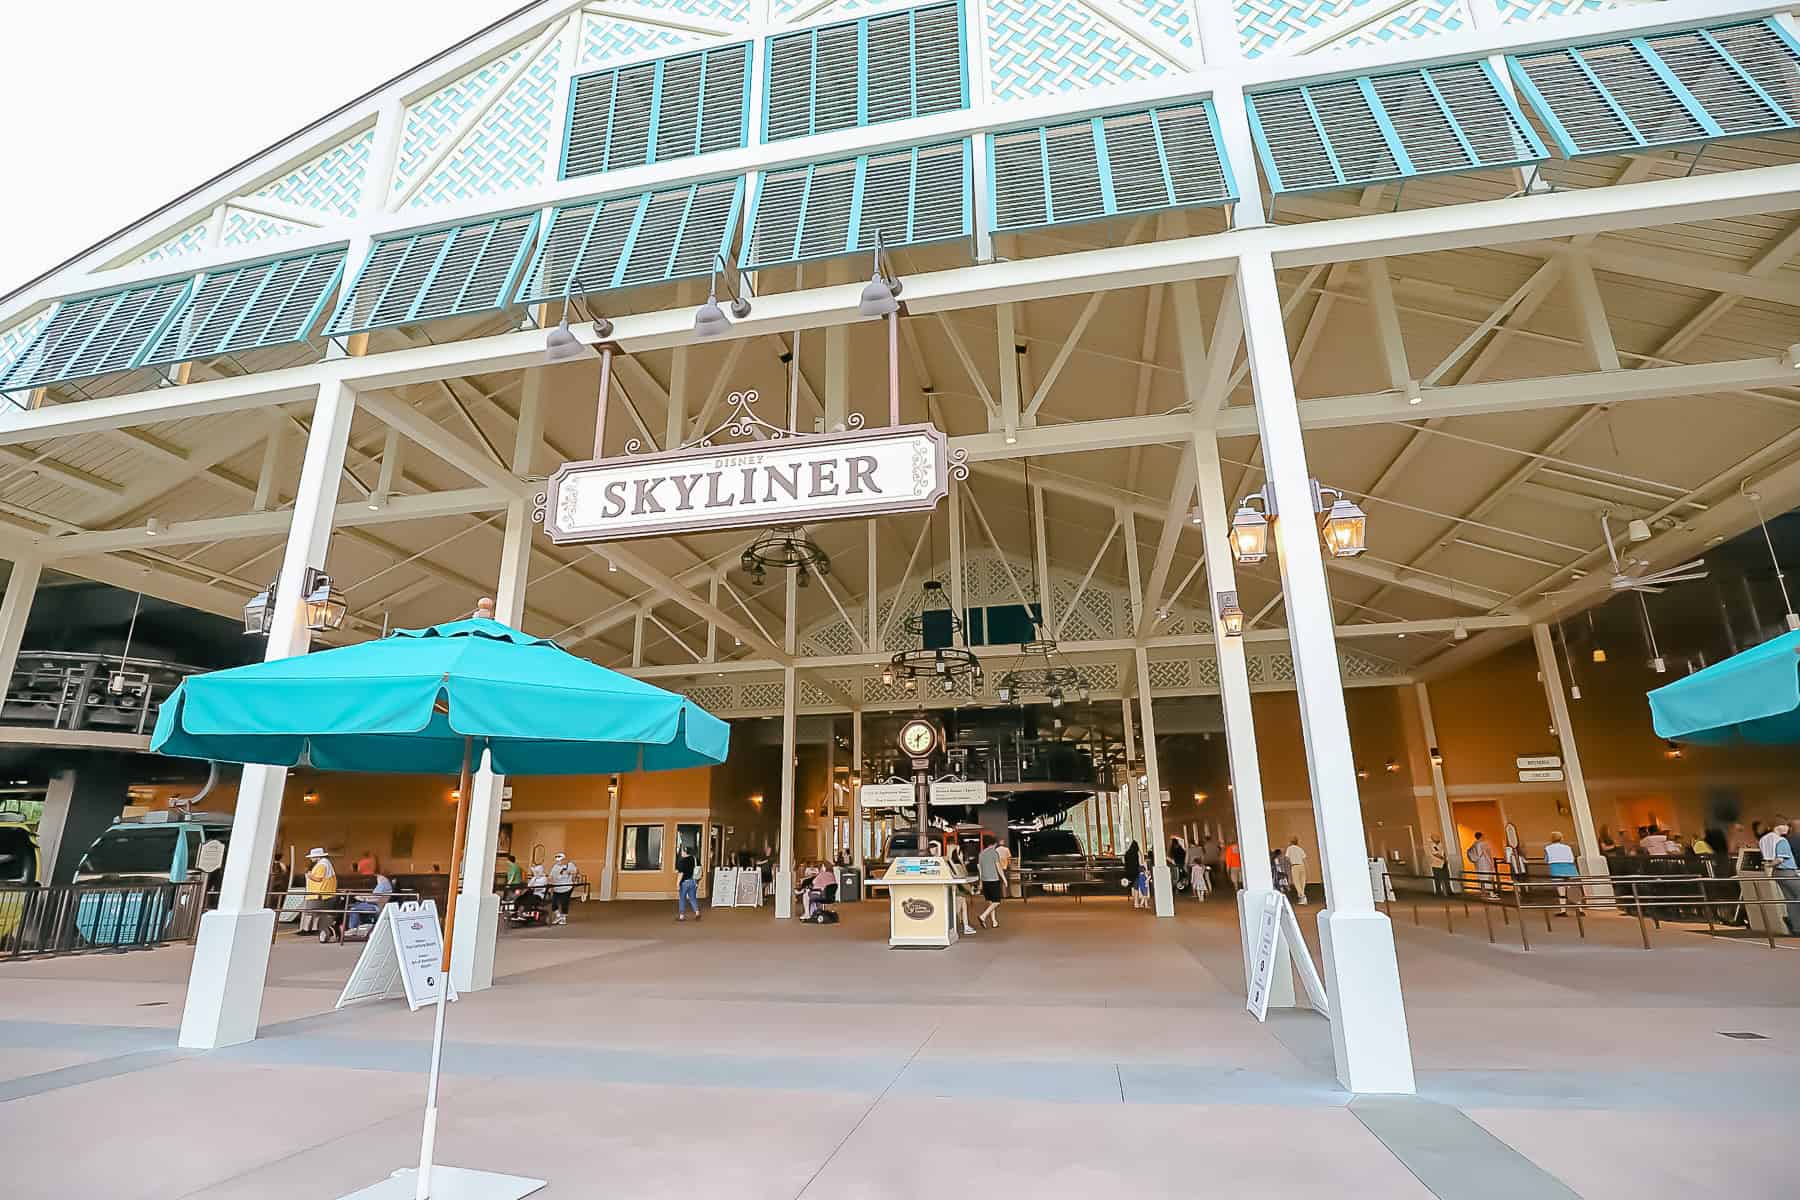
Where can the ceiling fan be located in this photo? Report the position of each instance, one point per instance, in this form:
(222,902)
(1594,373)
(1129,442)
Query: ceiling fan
(1651,582)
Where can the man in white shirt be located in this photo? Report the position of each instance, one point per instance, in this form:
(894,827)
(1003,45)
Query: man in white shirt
(1296,857)
(1778,855)
(562,885)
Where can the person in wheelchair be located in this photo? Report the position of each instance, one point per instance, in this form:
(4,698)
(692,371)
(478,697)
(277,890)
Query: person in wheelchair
(818,888)
(532,905)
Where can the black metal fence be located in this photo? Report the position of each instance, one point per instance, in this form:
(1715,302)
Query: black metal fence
(86,917)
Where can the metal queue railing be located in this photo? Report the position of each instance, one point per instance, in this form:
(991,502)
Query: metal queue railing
(1648,899)
(84,918)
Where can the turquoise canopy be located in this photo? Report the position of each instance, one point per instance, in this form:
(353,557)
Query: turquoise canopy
(1749,697)
(405,704)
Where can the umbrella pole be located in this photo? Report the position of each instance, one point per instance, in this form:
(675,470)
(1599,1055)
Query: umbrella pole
(426,1143)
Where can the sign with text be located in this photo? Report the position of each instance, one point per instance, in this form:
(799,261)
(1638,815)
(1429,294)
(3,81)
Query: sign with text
(778,482)
(1538,762)
(889,795)
(1268,929)
(956,791)
(1541,775)
(405,950)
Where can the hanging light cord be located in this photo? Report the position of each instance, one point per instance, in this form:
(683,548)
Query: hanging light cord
(1755,499)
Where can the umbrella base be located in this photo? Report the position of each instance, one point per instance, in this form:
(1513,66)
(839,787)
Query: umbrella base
(450,1183)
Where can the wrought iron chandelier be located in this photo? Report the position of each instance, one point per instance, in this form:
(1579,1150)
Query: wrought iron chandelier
(1055,680)
(785,548)
(943,668)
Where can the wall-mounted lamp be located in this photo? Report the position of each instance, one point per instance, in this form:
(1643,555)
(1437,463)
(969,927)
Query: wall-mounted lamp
(309,798)
(1391,766)
(1345,527)
(710,320)
(1437,757)
(881,295)
(1231,617)
(1671,750)
(325,605)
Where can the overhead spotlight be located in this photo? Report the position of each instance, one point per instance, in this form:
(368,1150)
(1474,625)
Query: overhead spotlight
(1459,632)
(710,319)
(1194,517)
(561,345)
(1791,357)
(1012,437)
(1574,691)
(153,527)
(1413,394)
(611,566)
(1660,665)
(1004,694)
(1638,530)
(1599,654)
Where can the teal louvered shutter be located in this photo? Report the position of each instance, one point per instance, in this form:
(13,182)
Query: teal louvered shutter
(96,335)
(625,241)
(1393,126)
(251,307)
(459,271)
(886,67)
(1130,162)
(657,111)
(822,210)
(1668,89)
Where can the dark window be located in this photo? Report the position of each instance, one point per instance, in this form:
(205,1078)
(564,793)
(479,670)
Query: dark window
(131,852)
(641,849)
(17,857)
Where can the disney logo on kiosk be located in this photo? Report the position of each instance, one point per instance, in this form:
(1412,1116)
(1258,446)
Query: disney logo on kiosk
(780,480)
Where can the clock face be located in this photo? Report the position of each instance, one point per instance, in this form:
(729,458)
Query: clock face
(917,737)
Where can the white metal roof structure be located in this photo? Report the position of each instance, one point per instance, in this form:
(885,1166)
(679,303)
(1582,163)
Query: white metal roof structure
(1524,261)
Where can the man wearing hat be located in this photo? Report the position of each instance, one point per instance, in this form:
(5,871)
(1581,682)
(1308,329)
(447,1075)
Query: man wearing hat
(321,894)
(562,885)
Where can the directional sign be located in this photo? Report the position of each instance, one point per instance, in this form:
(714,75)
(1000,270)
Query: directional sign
(211,856)
(957,792)
(1545,775)
(1538,762)
(889,795)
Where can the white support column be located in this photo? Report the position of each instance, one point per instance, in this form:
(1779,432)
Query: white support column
(472,957)
(837,376)
(856,770)
(231,956)
(1587,840)
(15,611)
(1446,821)
(1368,1019)
(1127,825)
(1234,675)
(872,594)
(1162,881)
(784,867)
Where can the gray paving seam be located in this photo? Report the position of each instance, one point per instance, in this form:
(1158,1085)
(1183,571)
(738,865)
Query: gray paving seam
(106,1068)
(873,1104)
(1451,1154)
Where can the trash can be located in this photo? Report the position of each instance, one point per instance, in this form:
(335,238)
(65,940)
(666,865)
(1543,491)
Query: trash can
(850,884)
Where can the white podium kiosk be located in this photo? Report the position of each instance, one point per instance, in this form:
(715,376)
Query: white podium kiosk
(921,901)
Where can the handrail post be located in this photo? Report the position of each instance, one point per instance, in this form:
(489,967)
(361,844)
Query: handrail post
(1487,914)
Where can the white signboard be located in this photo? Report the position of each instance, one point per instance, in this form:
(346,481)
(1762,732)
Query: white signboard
(957,792)
(404,949)
(889,795)
(782,481)
(210,857)
(1529,762)
(1541,776)
(1268,929)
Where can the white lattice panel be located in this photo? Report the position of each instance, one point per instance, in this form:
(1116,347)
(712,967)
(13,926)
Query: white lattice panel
(242,228)
(1206,672)
(435,119)
(760,695)
(1042,47)
(331,183)
(14,339)
(713,697)
(1294,26)
(1425,18)
(1356,664)
(814,696)
(833,637)
(1254,670)
(191,240)
(1172,18)
(509,147)
(1101,677)
(1281,667)
(606,39)
(1170,674)
(1515,11)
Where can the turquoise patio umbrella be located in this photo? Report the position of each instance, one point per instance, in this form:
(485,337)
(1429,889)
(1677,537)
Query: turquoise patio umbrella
(1752,697)
(429,701)
(423,701)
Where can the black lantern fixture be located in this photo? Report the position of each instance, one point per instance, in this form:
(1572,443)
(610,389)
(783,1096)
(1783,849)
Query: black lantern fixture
(786,548)
(945,668)
(1049,676)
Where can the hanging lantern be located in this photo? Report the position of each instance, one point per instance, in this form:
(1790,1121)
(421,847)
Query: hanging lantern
(1346,529)
(325,606)
(1231,617)
(259,612)
(1249,535)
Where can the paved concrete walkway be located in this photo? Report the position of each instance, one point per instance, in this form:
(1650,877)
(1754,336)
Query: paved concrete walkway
(1082,1050)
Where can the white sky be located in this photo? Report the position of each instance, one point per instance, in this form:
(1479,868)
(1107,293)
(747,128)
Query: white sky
(111,108)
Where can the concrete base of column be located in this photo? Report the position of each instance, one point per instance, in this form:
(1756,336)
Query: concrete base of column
(1595,864)
(1162,891)
(224,998)
(784,896)
(1281,987)
(1368,1020)
(472,954)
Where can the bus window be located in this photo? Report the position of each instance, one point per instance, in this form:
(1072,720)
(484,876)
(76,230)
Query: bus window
(143,851)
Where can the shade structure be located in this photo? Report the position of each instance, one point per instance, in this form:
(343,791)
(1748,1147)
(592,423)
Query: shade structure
(1753,697)
(410,703)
